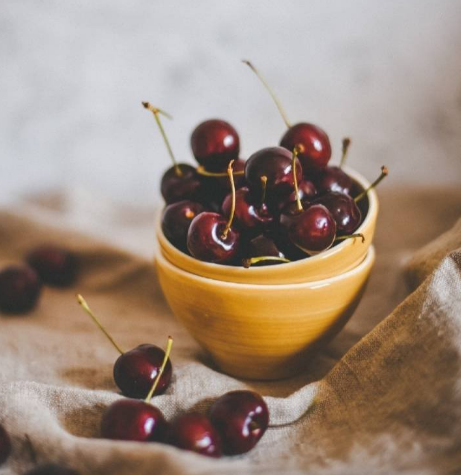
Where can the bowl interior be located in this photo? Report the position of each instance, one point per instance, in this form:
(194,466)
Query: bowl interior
(340,258)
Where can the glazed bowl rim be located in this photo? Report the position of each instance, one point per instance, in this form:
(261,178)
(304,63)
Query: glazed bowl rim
(369,258)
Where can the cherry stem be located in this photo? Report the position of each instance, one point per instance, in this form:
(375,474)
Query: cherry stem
(160,371)
(254,260)
(346,144)
(296,150)
(351,236)
(202,171)
(87,309)
(264,187)
(156,111)
(271,92)
(232,212)
(384,173)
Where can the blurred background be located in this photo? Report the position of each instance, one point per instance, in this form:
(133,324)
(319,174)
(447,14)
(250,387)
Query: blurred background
(74,73)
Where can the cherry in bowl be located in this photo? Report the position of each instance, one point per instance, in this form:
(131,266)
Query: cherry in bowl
(214,144)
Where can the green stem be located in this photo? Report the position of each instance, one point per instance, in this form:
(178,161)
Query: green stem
(271,92)
(230,173)
(87,309)
(254,260)
(156,111)
(295,179)
(160,371)
(351,236)
(346,144)
(384,173)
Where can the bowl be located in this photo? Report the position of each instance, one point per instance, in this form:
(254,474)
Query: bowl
(262,332)
(340,258)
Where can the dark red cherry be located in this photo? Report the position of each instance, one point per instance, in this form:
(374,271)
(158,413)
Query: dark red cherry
(180,182)
(55,266)
(263,245)
(241,418)
(130,419)
(19,289)
(136,370)
(214,144)
(250,215)
(315,144)
(333,179)
(52,469)
(313,230)
(207,242)
(275,163)
(176,219)
(215,188)
(344,210)
(263,251)
(306,192)
(195,433)
(5,445)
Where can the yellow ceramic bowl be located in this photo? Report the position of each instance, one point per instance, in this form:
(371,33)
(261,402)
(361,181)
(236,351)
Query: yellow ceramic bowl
(336,260)
(262,331)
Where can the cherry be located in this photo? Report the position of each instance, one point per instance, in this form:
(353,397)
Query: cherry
(214,144)
(262,250)
(181,181)
(131,419)
(52,469)
(194,432)
(5,445)
(306,193)
(216,185)
(252,216)
(54,265)
(213,239)
(334,178)
(128,419)
(176,219)
(314,142)
(275,163)
(137,369)
(241,418)
(20,288)
(344,210)
(313,230)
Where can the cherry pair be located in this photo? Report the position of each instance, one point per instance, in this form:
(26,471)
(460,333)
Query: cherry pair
(20,285)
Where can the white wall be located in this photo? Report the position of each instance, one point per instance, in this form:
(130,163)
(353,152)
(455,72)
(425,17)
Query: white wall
(73,74)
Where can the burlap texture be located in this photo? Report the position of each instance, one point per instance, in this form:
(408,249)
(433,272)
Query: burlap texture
(384,397)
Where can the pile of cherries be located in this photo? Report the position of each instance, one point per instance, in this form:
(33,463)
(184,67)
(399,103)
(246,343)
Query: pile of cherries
(284,203)
(234,425)
(21,285)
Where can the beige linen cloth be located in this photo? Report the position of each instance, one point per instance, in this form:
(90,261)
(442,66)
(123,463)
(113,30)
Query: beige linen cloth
(384,397)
